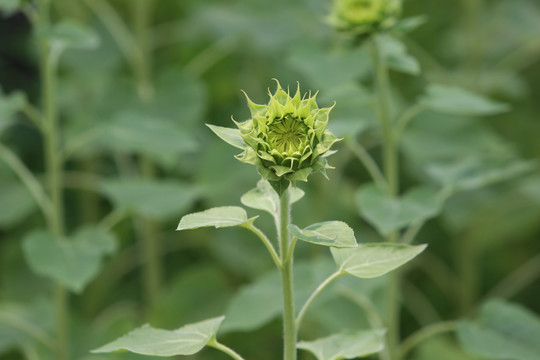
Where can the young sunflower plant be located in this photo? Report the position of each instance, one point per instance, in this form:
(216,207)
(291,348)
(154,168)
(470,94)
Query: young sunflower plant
(287,139)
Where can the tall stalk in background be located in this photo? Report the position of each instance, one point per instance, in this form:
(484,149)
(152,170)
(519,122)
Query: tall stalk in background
(146,229)
(391,174)
(135,45)
(53,163)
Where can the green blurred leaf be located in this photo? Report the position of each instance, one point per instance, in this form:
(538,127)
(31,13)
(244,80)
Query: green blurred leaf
(265,198)
(70,34)
(157,199)
(225,216)
(474,173)
(184,300)
(328,69)
(330,233)
(456,101)
(229,135)
(156,137)
(353,113)
(187,340)
(440,349)
(17,203)
(502,330)
(26,325)
(72,262)
(373,260)
(395,55)
(180,97)
(9,7)
(388,214)
(345,345)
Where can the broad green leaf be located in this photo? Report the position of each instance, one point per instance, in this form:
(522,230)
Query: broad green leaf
(159,138)
(502,331)
(229,135)
(184,300)
(373,260)
(71,35)
(15,197)
(345,345)
(157,199)
(265,198)
(95,240)
(396,57)
(329,233)
(224,216)
(353,113)
(388,214)
(457,101)
(258,303)
(72,262)
(146,340)
(9,106)
(328,69)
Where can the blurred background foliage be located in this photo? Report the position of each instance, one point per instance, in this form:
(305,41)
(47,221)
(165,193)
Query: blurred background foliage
(136,84)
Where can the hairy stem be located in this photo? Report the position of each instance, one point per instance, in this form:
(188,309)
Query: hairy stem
(289,324)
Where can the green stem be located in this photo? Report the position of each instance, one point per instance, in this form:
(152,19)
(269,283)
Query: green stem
(150,244)
(390,165)
(425,333)
(289,324)
(29,180)
(383,111)
(371,166)
(227,350)
(143,63)
(467,257)
(411,232)
(406,117)
(53,163)
(517,280)
(317,291)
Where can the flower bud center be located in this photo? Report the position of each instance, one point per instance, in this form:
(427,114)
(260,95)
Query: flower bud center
(287,135)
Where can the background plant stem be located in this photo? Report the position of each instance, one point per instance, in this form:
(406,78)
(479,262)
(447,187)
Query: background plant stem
(147,229)
(289,324)
(48,65)
(390,166)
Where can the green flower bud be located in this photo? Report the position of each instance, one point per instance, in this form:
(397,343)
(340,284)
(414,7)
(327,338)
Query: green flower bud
(364,17)
(287,138)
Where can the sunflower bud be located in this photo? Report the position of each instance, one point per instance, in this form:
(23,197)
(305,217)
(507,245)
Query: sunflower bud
(287,138)
(364,17)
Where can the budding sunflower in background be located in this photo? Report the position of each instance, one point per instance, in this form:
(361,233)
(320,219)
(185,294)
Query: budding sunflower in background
(362,18)
(287,138)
